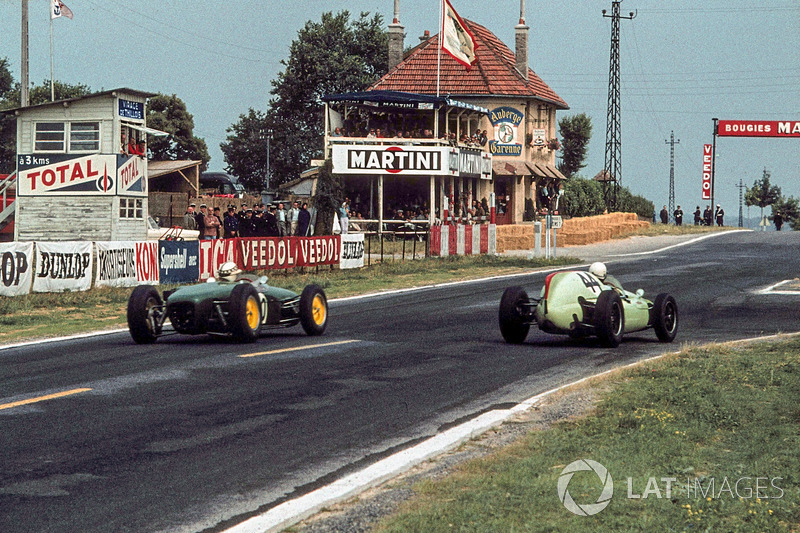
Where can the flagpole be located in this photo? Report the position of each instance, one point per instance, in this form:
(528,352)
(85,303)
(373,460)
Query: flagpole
(439,50)
(52,87)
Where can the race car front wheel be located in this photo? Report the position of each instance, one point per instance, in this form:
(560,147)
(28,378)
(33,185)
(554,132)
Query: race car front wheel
(144,309)
(665,321)
(513,325)
(244,313)
(609,318)
(313,310)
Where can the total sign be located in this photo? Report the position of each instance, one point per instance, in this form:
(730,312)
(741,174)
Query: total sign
(64,174)
(132,180)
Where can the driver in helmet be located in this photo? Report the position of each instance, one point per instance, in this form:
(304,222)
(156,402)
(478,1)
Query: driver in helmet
(600,271)
(228,272)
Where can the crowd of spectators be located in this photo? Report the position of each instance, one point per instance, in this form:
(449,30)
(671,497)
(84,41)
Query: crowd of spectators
(476,139)
(260,220)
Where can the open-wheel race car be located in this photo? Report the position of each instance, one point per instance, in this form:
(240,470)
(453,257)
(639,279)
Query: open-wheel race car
(235,304)
(582,304)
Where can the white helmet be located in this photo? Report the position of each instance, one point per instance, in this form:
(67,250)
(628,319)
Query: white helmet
(228,271)
(599,270)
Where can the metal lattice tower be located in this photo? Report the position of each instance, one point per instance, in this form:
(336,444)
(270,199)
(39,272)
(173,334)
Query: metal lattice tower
(613,159)
(741,187)
(672,142)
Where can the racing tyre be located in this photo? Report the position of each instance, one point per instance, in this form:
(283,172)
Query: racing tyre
(313,310)
(144,322)
(609,319)
(244,313)
(513,324)
(665,321)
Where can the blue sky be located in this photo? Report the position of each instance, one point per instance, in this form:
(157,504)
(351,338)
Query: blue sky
(682,64)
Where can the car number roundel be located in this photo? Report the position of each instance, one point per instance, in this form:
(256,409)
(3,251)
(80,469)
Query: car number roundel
(264,307)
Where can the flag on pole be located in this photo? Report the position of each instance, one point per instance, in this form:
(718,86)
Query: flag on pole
(59,9)
(457,40)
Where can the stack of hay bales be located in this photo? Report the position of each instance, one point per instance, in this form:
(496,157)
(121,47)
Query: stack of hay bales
(574,232)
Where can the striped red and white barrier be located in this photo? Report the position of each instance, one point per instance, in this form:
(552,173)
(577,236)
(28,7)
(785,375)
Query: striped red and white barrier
(463,239)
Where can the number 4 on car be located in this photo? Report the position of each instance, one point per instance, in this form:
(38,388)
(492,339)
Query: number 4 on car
(235,304)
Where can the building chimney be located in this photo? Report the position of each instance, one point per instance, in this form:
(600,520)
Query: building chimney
(396,37)
(521,42)
(425,36)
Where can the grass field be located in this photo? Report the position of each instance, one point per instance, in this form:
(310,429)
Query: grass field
(706,440)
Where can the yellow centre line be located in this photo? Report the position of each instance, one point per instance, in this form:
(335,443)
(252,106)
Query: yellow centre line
(296,348)
(43,398)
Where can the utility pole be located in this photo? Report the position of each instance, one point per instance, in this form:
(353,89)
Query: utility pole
(24,83)
(613,159)
(741,188)
(672,142)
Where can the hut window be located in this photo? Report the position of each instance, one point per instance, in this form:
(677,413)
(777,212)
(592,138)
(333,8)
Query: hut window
(84,137)
(49,137)
(131,208)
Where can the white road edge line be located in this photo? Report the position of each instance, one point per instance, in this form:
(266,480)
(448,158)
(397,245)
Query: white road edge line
(293,511)
(395,291)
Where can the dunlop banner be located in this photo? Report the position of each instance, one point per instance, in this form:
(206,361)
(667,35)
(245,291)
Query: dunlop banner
(352,250)
(63,266)
(16,265)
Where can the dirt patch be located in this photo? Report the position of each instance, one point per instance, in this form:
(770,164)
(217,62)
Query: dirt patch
(362,513)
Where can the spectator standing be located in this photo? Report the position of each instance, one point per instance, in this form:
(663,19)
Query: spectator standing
(294,213)
(210,223)
(719,214)
(664,215)
(678,216)
(707,216)
(777,218)
(697,216)
(271,222)
(220,227)
(231,224)
(344,215)
(200,220)
(247,226)
(189,221)
(283,228)
(303,221)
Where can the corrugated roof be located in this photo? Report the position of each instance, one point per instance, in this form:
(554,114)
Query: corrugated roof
(494,72)
(160,168)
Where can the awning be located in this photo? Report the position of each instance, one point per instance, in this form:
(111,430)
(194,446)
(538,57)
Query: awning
(525,168)
(144,129)
(399,100)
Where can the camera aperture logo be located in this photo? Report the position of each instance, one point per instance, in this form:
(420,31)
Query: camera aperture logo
(586,509)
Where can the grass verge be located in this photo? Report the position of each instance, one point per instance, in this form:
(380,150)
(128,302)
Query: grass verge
(655,230)
(40,315)
(721,422)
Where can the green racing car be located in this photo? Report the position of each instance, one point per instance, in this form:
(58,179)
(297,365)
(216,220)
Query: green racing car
(582,304)
(236,305)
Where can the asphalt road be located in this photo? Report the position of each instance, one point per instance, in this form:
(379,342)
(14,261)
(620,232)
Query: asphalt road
(185,435)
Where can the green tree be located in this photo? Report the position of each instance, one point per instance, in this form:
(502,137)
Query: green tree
(169,114)
(245,150)
(762,193)
(334,55)
(10,98)
(789,210)
(582,197)
(632,203)
(576,131)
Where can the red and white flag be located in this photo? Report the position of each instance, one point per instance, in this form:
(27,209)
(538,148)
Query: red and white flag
(456,39)
(59,9)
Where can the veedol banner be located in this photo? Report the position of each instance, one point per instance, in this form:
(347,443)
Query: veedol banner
(213,253)
(16,265)
(707,156)
(116,264)
(352,250)
(179,261)
(287,252)
(63,266)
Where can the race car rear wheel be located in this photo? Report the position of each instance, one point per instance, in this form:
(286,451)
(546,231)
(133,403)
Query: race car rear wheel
(609,318)
(244,313)
(144,323)
(665,321)
(513,325)
(313,310)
